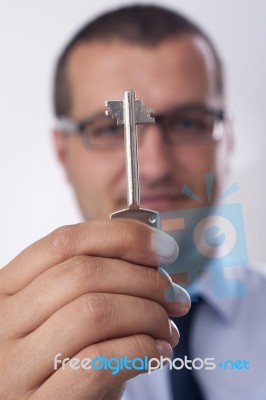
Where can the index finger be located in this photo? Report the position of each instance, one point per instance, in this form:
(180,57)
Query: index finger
(119,239)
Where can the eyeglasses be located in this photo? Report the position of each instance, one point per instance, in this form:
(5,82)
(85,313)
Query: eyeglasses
(187,124)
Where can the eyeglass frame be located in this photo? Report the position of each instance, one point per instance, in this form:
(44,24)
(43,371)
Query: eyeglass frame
(69,126)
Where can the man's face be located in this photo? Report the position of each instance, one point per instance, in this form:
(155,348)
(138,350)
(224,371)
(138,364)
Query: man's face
(177,72)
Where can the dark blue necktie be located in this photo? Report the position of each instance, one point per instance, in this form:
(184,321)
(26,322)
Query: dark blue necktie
(183,382)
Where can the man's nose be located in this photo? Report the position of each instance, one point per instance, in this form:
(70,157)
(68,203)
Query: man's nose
(155,154)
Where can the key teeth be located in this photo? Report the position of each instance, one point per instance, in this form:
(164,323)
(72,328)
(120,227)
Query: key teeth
(108,111)
(115,110)
(144,113)
(151,112)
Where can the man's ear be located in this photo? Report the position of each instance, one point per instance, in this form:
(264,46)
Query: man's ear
(60,143)
(230,133)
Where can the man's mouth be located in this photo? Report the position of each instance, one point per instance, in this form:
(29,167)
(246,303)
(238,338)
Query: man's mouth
(160,202)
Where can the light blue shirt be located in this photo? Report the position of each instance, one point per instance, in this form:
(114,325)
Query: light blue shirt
(226,327)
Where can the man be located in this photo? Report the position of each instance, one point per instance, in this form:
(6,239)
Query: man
(94,289)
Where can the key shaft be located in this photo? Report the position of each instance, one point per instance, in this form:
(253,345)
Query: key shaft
(131,150)
(130,112)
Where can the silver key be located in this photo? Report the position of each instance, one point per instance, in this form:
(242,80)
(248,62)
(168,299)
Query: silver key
(130,112)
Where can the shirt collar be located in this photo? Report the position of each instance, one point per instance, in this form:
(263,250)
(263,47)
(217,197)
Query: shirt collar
(221,288)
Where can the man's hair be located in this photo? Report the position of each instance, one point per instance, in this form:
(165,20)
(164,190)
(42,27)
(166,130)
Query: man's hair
(144,25)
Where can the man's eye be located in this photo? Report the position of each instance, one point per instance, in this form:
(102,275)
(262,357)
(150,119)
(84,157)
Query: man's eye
(108,130)
(188,124)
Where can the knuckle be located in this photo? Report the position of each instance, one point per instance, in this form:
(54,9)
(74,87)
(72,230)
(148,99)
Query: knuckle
(161,322)
(143,344)
(160,316)
(13,385)
(133,232)
(5,316)
(97,308)
(159,279)
(97,377)
(80,269)
(155,278)
(61,240)
(127,237)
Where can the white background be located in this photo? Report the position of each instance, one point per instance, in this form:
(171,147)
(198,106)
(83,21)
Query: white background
(34,198)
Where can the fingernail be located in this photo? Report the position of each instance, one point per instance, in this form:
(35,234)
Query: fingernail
(163,272)
(164,348)
(176,293)
(165,247)
(174,332)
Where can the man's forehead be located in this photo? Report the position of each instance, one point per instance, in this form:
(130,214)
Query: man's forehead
(115,53)
(98,69)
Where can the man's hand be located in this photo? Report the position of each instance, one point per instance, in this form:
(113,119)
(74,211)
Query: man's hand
(85,291)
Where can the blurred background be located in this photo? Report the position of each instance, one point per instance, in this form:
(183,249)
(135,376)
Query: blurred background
(34,196)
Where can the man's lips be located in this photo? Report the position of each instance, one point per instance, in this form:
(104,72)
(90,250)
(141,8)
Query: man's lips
(159,202)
